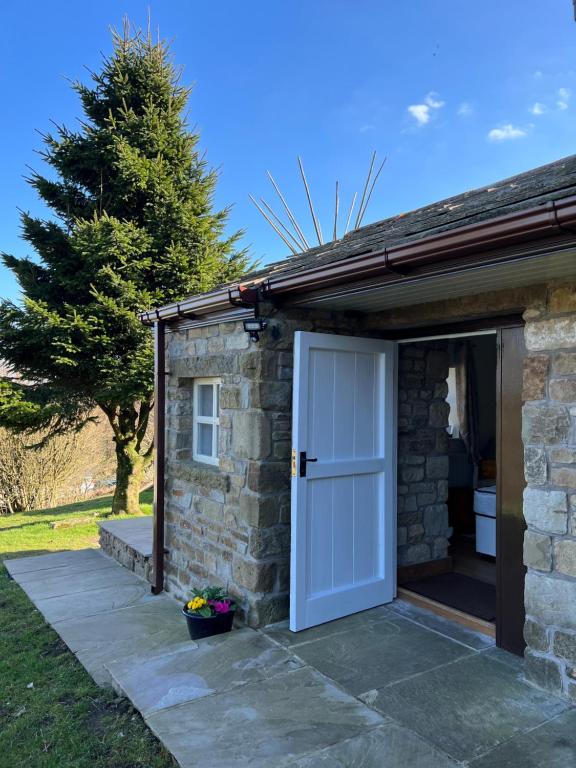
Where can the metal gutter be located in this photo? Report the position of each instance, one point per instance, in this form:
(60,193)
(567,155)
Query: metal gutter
(523,226)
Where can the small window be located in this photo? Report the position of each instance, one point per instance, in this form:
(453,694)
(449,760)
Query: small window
(206,420)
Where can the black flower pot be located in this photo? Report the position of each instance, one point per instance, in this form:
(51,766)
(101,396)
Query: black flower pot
(206,626)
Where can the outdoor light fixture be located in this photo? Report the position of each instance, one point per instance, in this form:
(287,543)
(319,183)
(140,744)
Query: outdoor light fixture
(254,326)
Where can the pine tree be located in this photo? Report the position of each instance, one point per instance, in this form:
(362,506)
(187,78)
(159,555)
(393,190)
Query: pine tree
(133,227)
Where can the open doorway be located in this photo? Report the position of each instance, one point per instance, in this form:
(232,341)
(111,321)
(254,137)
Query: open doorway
(447,485)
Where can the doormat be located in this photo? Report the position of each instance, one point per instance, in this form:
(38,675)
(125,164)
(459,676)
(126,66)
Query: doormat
(458,591)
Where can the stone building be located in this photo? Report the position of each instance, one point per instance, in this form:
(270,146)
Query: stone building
(367,401)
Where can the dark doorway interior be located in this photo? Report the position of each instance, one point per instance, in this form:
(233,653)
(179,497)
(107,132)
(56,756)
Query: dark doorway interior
(467,579)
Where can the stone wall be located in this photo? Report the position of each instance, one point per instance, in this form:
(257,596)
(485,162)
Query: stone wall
(423,530)
(229,524)
(549,433)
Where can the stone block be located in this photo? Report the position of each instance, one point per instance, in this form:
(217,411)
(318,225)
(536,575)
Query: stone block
(535,467)
(564,363)
(441,390)
(401,535)
(545,424)
(551,600)
(546,510)
(543,671)
(564,646)
(535,375)
(442,491)
(537,551)
(268,477)
(563,476)
(556,333)
(229,397)
(251,435)
(439,412)
(435,518)
(437,467)
(565,557)
(536,636)
(562,455)
(269,542)
(437,363)
(412,474)
(414,553)
(268,610)
(562,299)
(259,511)
(271,395)
(563,390)
(254,576)
(415,532)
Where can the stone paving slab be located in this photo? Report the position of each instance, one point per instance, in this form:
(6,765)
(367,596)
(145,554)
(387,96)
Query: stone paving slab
(475,640)
(390,746)
(78,558)
(64,572)
(552,745)
(132,649)
(41,584)
(263,724)
(468,707)
(94,601)
(125,624)
(361,660)
(191,672)
(136,532)
(281,633)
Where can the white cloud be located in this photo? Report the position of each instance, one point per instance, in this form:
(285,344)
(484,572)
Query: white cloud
(465,109)
(422,112)
(505,132)
(564,95)
(538,75)
(432,101)
(538,109)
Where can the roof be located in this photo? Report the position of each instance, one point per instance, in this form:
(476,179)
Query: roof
(526,190)
(511,202)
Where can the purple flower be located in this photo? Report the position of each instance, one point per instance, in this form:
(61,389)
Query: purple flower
(221,606)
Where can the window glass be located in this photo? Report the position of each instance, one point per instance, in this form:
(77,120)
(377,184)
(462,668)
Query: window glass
(206,400)
(204,444)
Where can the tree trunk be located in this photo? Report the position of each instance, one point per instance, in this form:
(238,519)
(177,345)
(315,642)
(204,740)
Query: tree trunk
(130,468)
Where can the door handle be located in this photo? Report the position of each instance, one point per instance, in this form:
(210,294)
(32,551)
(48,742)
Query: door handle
(303,461)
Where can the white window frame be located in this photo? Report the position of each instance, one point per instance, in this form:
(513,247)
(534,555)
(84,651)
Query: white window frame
(214,420)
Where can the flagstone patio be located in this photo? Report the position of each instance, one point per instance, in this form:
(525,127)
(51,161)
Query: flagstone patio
(394,687)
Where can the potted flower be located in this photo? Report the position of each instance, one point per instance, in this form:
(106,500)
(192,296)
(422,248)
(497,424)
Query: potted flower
(209,612)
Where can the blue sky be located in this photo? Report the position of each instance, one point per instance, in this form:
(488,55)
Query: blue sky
(456,94)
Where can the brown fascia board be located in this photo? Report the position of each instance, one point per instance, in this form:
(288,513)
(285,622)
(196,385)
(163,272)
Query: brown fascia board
(522,226)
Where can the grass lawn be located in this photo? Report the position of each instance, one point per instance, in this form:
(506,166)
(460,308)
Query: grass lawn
(31,533)
(52,714)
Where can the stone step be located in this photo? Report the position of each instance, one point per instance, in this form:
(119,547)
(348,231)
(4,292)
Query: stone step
(129,542)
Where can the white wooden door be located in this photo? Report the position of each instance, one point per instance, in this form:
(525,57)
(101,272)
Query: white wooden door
(343,556)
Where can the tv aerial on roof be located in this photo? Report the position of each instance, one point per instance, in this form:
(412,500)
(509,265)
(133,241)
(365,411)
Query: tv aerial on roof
(290,231)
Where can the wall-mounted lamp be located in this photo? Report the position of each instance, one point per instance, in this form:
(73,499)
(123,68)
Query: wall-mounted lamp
(254,326)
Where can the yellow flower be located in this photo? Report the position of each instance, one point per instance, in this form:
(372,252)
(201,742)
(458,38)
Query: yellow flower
(196,603)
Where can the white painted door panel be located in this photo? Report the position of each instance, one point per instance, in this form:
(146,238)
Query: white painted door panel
(343,556)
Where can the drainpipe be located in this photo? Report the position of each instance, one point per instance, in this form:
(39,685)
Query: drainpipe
(159,453)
